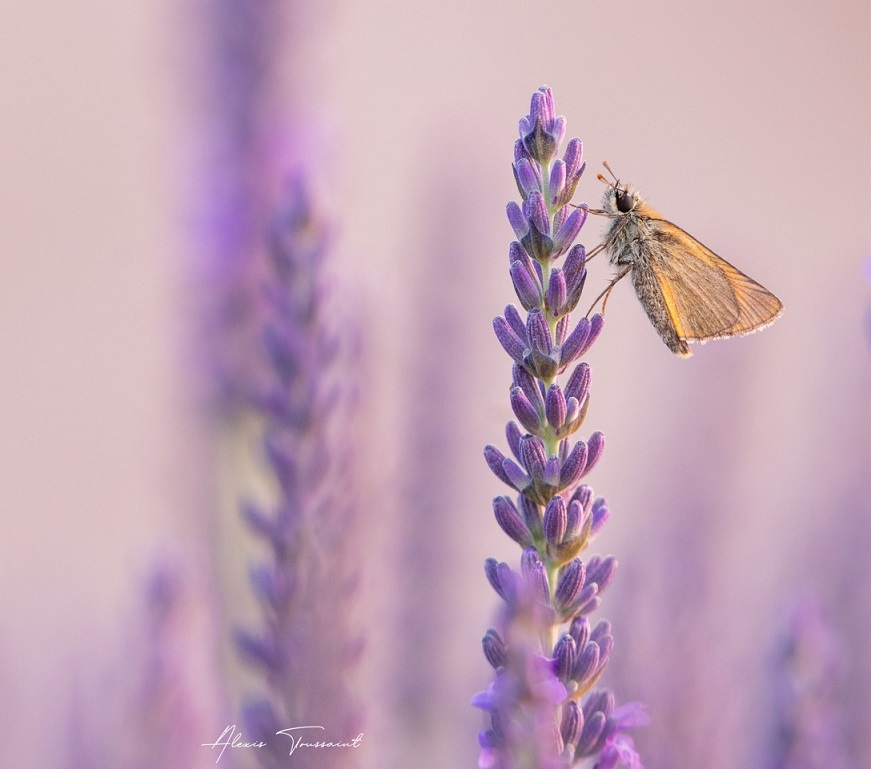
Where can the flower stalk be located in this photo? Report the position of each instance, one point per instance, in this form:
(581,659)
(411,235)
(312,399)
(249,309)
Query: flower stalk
(545,712)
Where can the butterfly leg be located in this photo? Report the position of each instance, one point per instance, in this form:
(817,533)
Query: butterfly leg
(595,252)
(607,292)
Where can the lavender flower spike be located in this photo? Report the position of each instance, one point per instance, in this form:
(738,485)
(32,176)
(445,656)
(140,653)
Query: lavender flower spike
(544,710)
(305,650)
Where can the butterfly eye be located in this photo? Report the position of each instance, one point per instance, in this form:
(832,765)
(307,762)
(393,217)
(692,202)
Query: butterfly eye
(625,202)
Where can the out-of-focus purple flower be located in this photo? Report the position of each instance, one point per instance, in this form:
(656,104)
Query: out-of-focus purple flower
(306,648)
(808,686)
(544,710)
(160,693)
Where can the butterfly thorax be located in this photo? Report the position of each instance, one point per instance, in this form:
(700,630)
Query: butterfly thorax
(629,231)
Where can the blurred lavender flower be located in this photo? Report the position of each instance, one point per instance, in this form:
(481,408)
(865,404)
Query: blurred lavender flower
(161,689)
(547,656)
(808,687)
(306,649)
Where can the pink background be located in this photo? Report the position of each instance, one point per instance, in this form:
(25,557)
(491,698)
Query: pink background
(741,474)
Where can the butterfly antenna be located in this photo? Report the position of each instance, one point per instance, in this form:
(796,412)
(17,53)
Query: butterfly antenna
(613,175)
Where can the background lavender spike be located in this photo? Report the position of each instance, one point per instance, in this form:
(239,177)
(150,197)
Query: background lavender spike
(311,648)
(533,701)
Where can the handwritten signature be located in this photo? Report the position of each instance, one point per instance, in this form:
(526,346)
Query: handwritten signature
(230,738)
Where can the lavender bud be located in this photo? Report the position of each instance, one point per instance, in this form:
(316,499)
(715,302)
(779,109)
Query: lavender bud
(511,522)
(525,411)
(538,333)
(555,407)
(513,435)
(515,321)
(528,179)
(572,723)
(525,284)
(556,291)
(590,734)
(532,456)
(557,181)
(595,447)
(570,584)
(555,520)
(495,460)
(600,515)
(576,343)
(494,649)
(574,466)
(601,571)
(586,664)
(569,231)
(518,221)
(511,343)
(564,655)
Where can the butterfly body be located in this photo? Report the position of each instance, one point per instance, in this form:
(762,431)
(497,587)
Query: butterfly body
(688,292)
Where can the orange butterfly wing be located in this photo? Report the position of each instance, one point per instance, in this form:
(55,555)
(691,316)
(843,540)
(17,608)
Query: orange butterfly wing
(706,297)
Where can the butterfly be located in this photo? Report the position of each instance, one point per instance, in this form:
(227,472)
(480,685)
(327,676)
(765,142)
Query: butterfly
(688,292)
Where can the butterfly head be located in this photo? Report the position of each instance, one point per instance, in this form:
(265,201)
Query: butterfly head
(619,198)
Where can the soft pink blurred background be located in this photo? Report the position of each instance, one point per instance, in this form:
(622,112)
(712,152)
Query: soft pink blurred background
(738,480)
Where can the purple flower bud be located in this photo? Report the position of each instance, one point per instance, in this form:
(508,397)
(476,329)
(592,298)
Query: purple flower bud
(579,382)
(556,291)
(600,514)
(531,514)
(573,158)
(601,571)
(525,411)
(511,522)
(494,649)
(537,214)
(574,516)
(513,434)
(524,380)
(516,476)
(515,321)
(595,447)
(540,131)
(555,407)
(511,343)
(587,600)
(557,181)
(517,220)
(576,343)
(555,520)
(580,631)
(569,230)
(552,471)
(574,264)
(570,584)
(517,254)
(593,726)
(538,333)
(601,701)
(526,285)
(586,663)
(491,569)
(602,629)
(564,655)
(572,723)
(528,179)
(574,465)
(495,460)
(534,574)
(532,456)
(561,331)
